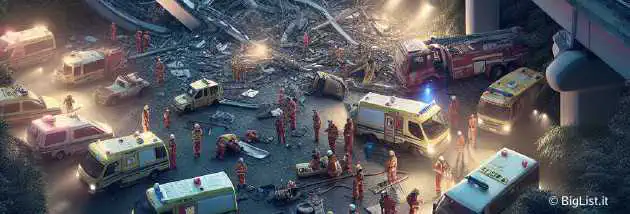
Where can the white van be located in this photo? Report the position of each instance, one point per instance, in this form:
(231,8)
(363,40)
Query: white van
(61,135)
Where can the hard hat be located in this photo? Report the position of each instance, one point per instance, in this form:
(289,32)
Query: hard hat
(240,160)
(329,152)
(391,153)
(197,126)
(146,107)
(353,207)
(167,109)
(441,158)
(453,97)
(172,136)
(330,212)
(69,96)
(137,133)
(358,167)
(459,132)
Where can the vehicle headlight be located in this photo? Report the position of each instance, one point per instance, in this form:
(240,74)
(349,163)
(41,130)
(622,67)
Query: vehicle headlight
(92,187)
(448,137)
(77,174)
(535,112)
(430,149)
(507,128)
(544,116)
(479,120)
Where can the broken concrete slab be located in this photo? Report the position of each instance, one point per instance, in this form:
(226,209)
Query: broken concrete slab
(181,73)
(251,93)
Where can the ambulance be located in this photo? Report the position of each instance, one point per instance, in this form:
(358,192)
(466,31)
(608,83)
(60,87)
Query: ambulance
(79,67)
(201,93)
(510,99)
(27,48)
(411,123)
(211,193)
(19,105)
(61,135)
(123,160)
(492,187)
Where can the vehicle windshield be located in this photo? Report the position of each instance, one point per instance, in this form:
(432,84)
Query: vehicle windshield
(120,83)
(91,166)
(34,96)
(432,128)
(446,205)
(494,111)
(191,91)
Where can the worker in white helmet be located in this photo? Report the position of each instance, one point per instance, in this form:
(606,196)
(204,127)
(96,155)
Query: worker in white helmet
(392,167)
(196,138)
(334,167)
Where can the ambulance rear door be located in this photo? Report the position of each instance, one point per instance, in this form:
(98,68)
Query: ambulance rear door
(392,126)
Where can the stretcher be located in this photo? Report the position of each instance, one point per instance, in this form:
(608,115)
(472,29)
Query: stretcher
(304,171)
(253,151)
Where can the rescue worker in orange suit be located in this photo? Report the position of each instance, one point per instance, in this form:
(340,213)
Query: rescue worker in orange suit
(392,167)
(159,71)
(461,144)
(348,135)
(315,163)
(280,129)
(173,151)
(69,104)
(292,113)
(251,136)
(357,185)
(113,32)
(472,130)
(389,204)
(241,171)
(166,118)
(453,113)
(414,201)
(281,97)
(317,124)
(146,41)
(197,133)
(221,147)
(334,168)
(145,118)
(333,133)
(347,160)
(440,168)
(139,41)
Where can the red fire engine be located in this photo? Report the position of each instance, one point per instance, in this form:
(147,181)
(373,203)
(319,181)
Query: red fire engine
(494,54)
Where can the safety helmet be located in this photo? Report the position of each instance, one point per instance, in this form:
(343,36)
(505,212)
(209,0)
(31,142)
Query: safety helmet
(69,96)
(453,97)
(146,107)
(441,158)
(241,160)
(137,133)
(172,136)
(459,132)
(329,152)
(167,110)
(330,212)
(358,167)
(353,207)
(197,126)
(391,153)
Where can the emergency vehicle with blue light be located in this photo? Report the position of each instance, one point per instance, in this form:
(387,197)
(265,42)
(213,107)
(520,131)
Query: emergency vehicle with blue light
(509,100)
(20,105)
(123,160)
(62,135)
(27,48)
(492,187)
(390,119)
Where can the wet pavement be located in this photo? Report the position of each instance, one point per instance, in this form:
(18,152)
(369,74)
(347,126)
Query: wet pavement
(65,194)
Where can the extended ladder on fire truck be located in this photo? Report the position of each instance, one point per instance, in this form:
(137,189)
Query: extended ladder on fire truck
(510,33)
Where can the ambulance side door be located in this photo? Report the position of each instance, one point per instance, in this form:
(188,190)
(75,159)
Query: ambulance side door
(392,127)
(129,163)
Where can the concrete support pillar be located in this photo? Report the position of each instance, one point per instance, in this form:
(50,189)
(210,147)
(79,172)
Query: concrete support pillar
(482,16)
(589,89)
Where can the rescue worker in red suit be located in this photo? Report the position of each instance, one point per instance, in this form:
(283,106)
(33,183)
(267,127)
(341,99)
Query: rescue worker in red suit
(241,171)
(392,167)
(159,71)
(357,185)
(291,186)
(348,135)
(453,113)
(306,41)
(347,160)
(145,118)
(166,118)
(197,133)
(221,147)
(389,204)
(139,41)
(173,151)
(414,201)
(280,129)
(317,124)
(281,97)
(333,133)
(146,41)
(472,130)
(334,168)
(113,32)
(461,143)
(315,163)
(440,168)
(292,112)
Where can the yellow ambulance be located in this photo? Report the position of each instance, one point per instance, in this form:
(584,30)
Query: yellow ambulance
(19,105)
(211,193)
(411,123)
(123,160)
(509,99)
(27,48)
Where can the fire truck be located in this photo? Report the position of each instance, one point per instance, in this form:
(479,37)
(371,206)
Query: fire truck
(27,48)
(493,54)
(80,67)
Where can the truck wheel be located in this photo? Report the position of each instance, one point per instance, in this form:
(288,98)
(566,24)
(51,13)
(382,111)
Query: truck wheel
(60,155)
(304,208)
(154,175)
(496,72)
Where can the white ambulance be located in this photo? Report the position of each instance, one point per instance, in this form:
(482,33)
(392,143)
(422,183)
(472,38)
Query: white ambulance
(27,48)
(211,193)
(492,187)
(20,105)
(402,121)
(62,135)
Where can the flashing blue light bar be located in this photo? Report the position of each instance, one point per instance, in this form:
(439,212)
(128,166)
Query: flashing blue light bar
(427,90)
(425,109)
(494,90)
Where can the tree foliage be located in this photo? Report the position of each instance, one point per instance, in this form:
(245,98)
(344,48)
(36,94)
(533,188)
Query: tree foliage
(535,201)
(20,178)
